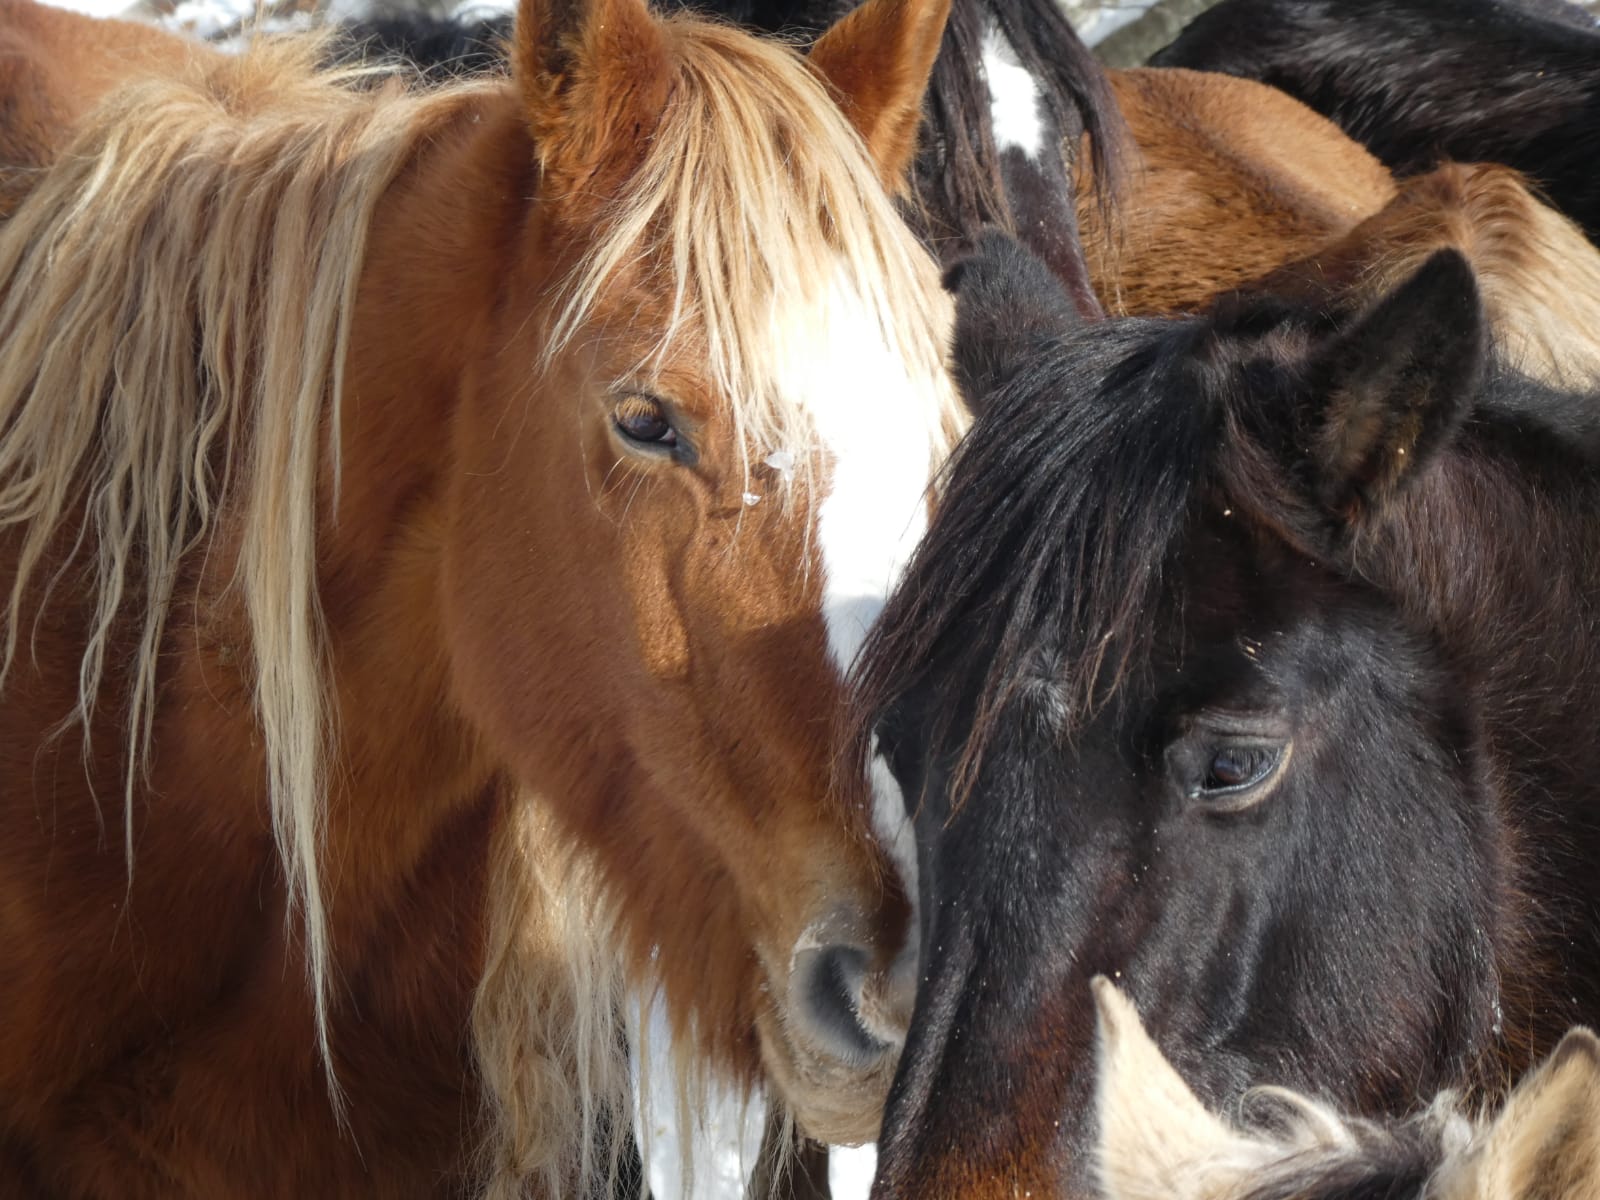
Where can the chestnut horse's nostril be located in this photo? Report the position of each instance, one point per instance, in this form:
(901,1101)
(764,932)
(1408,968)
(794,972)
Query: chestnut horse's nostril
(828,987)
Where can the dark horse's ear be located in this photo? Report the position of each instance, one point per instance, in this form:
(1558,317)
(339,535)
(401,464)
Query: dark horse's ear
(1393,386)
(1007,304)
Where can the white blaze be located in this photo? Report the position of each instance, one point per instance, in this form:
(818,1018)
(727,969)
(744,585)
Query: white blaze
(1013,97)
(877,422)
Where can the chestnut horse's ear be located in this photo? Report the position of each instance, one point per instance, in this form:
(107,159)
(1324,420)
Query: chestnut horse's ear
(594,77)
(1007,304)
(878,59)
(1545,1144)
(1394,386)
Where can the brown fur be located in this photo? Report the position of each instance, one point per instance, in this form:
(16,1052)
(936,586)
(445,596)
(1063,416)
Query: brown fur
(564,679)
(1228,181)
(888,112)
(1235,185)
(1539,275)
(54,65)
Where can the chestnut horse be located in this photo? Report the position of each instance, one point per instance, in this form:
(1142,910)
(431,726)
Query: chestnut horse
(1249,660)
(1157,1141)
(434,527)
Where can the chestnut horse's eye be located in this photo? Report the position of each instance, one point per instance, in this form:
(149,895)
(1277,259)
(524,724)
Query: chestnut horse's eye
(643,419)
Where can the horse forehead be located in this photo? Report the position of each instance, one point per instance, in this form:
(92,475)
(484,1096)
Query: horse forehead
(874,414)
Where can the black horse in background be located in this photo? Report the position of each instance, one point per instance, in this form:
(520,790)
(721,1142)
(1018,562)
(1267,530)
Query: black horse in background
(440,48)
(1418,81)
(1251,661)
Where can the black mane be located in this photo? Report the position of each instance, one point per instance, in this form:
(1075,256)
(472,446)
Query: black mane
(439,47)
(1055,524)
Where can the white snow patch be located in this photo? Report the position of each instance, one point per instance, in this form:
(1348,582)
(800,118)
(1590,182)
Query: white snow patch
(850,1171)
(720,1149)
(1096,24)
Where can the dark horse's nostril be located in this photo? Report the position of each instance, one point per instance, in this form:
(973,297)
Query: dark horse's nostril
(828,986)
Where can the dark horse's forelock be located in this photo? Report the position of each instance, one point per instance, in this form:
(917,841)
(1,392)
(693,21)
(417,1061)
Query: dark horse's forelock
(1059,516)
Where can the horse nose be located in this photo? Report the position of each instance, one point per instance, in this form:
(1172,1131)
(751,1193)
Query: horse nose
(849,1010)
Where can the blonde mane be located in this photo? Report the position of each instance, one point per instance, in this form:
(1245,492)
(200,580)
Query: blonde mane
(176,296)
(178,284)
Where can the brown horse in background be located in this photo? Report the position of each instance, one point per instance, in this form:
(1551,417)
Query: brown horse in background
(433,527)
(1227,181)
(1538,275)
(1234,186)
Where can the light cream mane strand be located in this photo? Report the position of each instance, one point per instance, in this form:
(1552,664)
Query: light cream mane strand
(177,295)
(762,201)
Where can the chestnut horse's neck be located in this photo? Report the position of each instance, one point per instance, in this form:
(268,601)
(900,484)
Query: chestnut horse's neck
(188,947)
(420,323)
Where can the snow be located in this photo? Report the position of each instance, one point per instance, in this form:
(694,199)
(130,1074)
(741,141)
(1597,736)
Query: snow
(1096,24)
(721,1146)
(96,8)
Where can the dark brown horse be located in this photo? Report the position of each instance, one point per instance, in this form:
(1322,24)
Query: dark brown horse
(1249,661)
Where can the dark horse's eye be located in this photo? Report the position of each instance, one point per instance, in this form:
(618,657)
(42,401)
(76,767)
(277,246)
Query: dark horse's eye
(1233,769)
(642,419)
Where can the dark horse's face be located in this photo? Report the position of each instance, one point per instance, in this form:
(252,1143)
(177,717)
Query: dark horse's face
(1155,723)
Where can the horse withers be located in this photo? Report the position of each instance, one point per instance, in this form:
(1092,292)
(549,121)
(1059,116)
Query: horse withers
(1247,662)
(434,526)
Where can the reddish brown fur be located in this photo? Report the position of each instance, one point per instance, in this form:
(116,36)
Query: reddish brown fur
(1229,180)
(55,65)
(1237,186)
(875,93)
(158,1038)
(617,63)
(1516,245)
